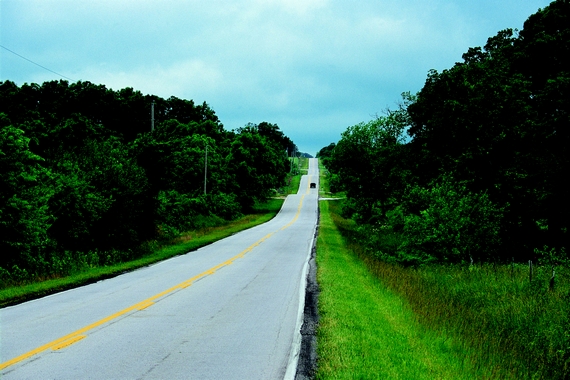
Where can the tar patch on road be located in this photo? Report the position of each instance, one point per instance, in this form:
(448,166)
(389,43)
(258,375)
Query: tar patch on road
(307,364)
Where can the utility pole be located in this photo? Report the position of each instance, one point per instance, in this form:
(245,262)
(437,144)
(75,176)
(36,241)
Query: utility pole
(152,116)
(205,168)
(295,156)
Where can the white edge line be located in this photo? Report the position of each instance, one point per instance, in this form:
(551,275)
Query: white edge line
(296,344)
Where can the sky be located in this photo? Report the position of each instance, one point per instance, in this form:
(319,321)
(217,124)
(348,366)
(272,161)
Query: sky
(313,67)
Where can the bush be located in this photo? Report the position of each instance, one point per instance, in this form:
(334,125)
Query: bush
(178,212)
(450,224)
(24,215)
(223,205)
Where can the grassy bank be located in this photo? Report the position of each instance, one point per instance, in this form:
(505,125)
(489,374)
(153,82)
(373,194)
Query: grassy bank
(293,181)
(516,327)
(303,164)
(188,241)
(299,167)
(506,323)
(324,181)
(366,330)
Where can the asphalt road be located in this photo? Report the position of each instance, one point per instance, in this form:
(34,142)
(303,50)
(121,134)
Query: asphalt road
(230,310)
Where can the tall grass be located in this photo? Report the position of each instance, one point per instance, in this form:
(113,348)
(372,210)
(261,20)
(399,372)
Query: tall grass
(517,327)
(303,164)
(367,331)
(293,182)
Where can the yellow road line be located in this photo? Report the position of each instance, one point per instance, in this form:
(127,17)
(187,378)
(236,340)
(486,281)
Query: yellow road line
(76,336)
(143,305)
(68,342)
(296,215)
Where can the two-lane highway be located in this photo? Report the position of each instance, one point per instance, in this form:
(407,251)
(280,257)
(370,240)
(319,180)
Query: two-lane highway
(230,310)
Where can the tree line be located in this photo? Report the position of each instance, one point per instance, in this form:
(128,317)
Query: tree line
(473,166)
(84,181)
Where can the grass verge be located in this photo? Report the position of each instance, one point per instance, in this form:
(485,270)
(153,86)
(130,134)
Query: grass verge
(514,327)
(303,164)
(188,241)
(293,183)
(366,330)
(508,322)
(324,183)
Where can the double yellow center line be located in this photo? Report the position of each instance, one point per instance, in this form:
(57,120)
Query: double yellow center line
(76,336)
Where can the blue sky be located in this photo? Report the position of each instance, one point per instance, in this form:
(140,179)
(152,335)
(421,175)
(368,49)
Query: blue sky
(314,67)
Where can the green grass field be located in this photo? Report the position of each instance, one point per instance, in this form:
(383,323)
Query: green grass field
(367,331)
(499,321)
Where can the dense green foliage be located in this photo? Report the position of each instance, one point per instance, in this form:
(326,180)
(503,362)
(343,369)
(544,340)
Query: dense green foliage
(480,174)
(84,181)
(498,319)
(187,241)
(324,155)
(368,331)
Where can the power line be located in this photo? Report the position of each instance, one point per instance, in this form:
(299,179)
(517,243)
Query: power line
(37,64)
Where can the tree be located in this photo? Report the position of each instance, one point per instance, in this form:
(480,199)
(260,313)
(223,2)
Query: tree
(325,154)
(272,134)
(24,194)
(498,121)
(370,163)
(257,164)
(83,178)
(452,225)
(543,57)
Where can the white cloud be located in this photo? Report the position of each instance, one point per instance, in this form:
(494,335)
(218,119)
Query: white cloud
(190,76)
(311,66)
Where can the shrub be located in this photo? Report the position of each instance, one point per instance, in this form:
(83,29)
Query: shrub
(448,223)
(178,212)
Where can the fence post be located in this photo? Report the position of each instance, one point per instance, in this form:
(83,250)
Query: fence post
(551,282)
